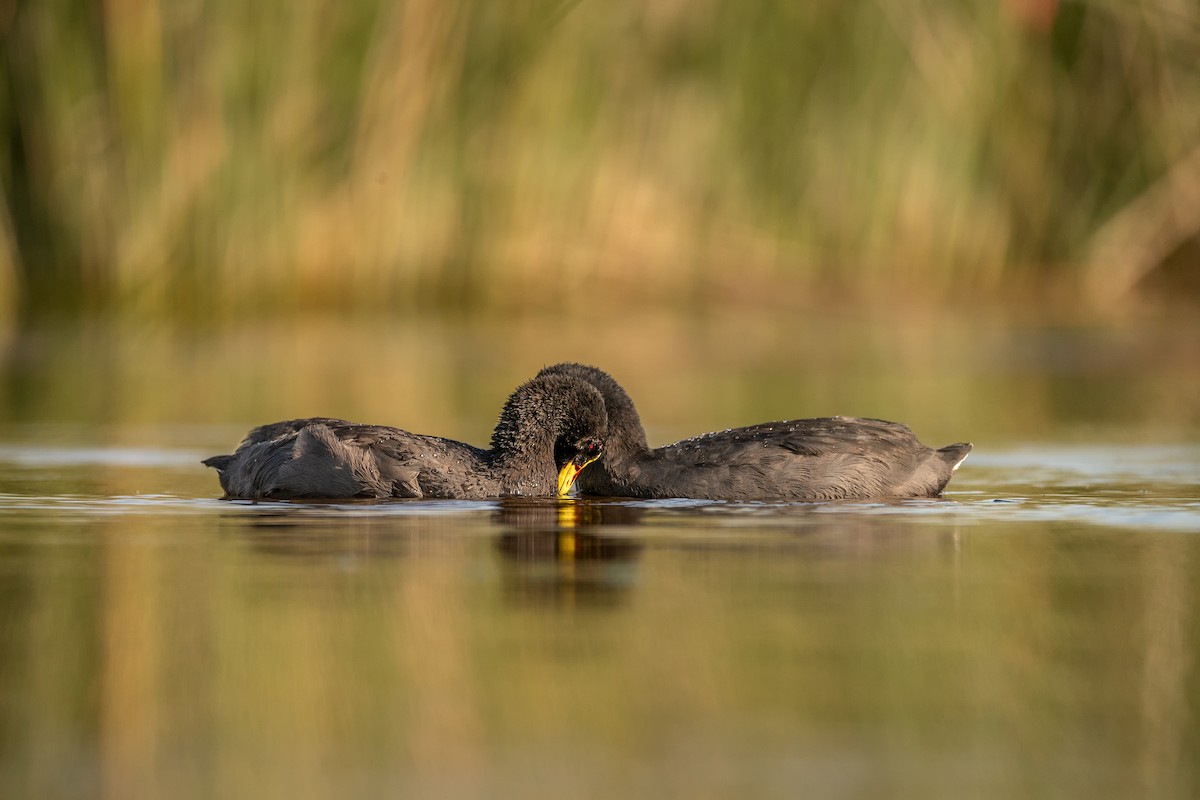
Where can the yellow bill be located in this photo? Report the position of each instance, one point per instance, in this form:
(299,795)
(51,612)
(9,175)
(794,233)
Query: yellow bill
(569,472)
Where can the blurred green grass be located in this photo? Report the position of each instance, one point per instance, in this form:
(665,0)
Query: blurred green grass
(218,159)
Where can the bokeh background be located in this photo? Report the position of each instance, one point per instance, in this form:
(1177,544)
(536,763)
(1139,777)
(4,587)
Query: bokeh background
(935,211)
(978,218)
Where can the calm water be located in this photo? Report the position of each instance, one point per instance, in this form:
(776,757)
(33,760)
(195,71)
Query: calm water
(1034,634)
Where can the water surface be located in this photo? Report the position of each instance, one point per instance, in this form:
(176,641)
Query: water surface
(1033,634)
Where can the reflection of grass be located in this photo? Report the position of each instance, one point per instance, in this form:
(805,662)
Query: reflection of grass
(949,378)
(167,157)
(177,657)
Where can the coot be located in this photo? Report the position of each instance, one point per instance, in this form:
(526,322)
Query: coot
(833,458)
(549,430)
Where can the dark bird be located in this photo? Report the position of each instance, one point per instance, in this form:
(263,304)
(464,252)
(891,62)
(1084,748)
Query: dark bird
(550,429)
(833,458)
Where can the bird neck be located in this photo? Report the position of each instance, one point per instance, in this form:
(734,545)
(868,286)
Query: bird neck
(519,457)
(626,440)
(522,453)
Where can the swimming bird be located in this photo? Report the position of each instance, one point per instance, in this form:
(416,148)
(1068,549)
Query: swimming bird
(832,458)
(549,430)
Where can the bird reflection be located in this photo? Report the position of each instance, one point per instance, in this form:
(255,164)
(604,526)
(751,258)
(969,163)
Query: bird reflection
(553,553)
(345,538)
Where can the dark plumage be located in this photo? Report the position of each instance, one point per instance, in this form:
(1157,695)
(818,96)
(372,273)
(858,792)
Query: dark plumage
(550,428)
(834,458)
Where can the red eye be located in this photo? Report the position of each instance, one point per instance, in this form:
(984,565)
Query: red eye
(592,448)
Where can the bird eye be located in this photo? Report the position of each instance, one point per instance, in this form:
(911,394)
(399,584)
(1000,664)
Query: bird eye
(592,448)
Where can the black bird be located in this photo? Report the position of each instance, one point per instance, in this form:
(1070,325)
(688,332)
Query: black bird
(550,429)
(833,458)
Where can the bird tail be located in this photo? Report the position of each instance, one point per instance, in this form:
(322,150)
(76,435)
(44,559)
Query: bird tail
(955,454)
(219,463)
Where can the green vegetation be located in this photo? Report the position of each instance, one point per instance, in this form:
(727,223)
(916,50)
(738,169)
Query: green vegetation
(221,157)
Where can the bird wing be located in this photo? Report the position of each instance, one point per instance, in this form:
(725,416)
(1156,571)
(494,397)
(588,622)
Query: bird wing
(416,465)
(804,437)
(327,457)
(812,459)
(290,427)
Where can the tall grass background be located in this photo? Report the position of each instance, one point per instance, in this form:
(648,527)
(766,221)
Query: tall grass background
(219,158)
